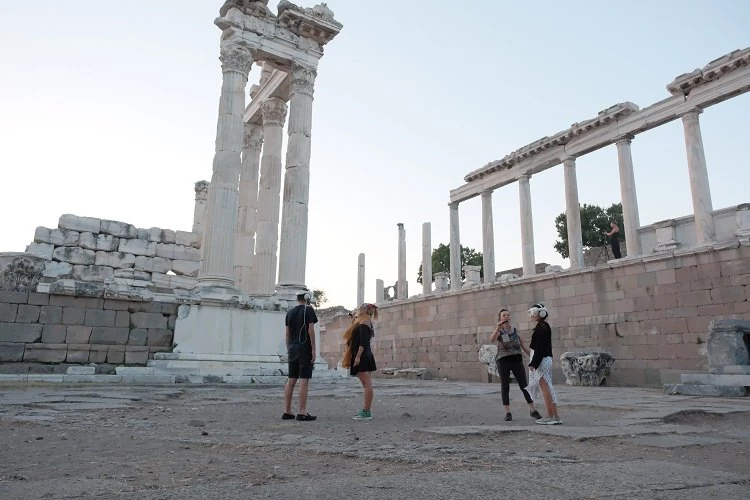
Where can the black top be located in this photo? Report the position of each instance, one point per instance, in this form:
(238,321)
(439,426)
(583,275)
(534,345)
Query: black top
(541,343)
(297,320)
(361,338)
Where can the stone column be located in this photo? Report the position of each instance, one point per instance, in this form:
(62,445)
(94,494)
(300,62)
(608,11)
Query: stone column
(455,248)
(217,261)
(293,247)
(527,225)
(630,215)
(199,213)
(701,191)
(488,238)
(269,197)
(573,214)
(426,258)
(379,291)
(361,280)
(401,292)
(244,252)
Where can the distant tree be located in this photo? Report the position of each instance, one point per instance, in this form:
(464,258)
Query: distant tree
(594,221)
(441,261)
(319,297)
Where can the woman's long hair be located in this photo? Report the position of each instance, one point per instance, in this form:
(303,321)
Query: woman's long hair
(365,314)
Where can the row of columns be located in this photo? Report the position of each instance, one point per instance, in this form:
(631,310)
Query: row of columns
(241,235)
(700,191)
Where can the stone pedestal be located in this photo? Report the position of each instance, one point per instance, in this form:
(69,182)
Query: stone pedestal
(586,368)
(441,282)
(473,276)
(665,236)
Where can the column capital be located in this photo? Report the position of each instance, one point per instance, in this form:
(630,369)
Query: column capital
(691,114)
(236,58)
(524,177)
(201,190)
(274,111)
(303,79)
(453,205)
(624,139)
(568,159)
(487,192)
(253,136)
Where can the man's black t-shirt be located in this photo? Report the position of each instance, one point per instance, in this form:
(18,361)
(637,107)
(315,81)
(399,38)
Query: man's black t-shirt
(297,320)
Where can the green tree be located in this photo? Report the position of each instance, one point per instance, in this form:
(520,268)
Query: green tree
(319,297)
(594,221)
(441,261)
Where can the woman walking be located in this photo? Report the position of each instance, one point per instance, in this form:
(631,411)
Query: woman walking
(541,364)
(509,359)
(358,356)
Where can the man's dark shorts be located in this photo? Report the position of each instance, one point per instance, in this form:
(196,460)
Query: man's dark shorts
(300,363)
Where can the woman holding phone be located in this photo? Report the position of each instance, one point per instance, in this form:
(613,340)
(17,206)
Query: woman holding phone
(509,359)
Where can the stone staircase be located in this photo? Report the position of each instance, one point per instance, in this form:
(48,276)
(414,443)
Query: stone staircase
(734,381)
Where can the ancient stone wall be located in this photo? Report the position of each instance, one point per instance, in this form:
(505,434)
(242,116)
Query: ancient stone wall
(651,313)
(43,328)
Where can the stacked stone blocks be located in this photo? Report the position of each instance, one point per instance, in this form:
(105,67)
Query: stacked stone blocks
(42,328)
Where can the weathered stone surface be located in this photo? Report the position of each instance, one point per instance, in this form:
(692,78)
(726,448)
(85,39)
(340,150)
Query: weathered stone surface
(50,315)
(8,313)
(186,267)
(38,299)
(160,235)
(74,255)
(54,334)
(77,334)
(54,269)
(19,332)
(77,356)
(148,320)
(11,352)
(92,273)
(159,337)
(132,274)
(45,353)
(122,319)
(73,315)
(586,368)
(103,242)
(98,317)
(57,237)
(728,344)
(136,355)
(487,355)
(81,224)
(76,288)
(188,239)
(42,250)
(138,336)
(179,252)
(138,247)
(27,314)
(116,354)
(14,297)
(143,234)
(105,335)
(704,390)
(98,353)
(153,264)
(174,281)
(116,260)
(119,229)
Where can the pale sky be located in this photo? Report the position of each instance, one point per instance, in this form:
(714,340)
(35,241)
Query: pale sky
(109,110)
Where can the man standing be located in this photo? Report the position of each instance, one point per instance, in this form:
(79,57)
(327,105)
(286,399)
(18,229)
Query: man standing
(300,345)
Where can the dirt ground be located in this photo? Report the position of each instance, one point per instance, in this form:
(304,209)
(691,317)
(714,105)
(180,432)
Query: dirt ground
(183,441)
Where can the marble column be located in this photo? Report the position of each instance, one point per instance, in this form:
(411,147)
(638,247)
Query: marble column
(199,212)
(217,263)
(699,187)
(379,291)
(361,279)
(426,258)
(488,238)
(631,218)
(401,292)
(527,225)
(244,252)
(573,214)
(455,247)
(294,215)
(269,197)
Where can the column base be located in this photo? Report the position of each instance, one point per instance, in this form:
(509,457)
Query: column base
(216,282)
(288,291)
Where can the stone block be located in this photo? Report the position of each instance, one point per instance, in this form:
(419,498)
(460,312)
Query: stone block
(74,255)
(160,235)
(54,334)
(19,332)
(27,314)
(80,370)
(132,274)
(119,229)
(135,355)
(69,221)
(98,353)
(117,260)
(14,297)
(77,356)
(98,317)
(45,353)
(53,269)
(704,390)
(138,336)
(153,264)
(188,239)
(38,299)
(78,334)
(92,273)
(727,344)
(73,316)
(138,247)
(186,267)
(101,242)
(116,354)
(122,319)
(57,237)
(148,320)
(106,335)
(116,305)
(41,250)
(11,352)
(8,313)
(178,252)
(159,337)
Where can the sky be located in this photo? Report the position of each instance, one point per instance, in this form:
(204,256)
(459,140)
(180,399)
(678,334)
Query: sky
(109,110)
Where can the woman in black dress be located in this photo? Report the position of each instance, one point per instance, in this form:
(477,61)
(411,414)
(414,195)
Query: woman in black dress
(359,355)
